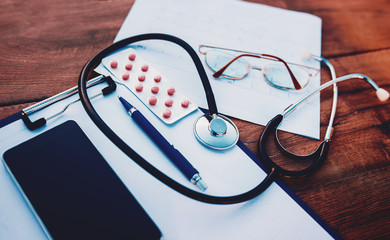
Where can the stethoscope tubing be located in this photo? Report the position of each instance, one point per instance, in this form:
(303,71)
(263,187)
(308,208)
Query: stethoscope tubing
(320,154)
(110,134)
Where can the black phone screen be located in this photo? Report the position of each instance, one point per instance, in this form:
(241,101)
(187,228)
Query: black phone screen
(73,190)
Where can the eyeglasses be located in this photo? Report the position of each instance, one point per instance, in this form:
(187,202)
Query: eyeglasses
(277,72)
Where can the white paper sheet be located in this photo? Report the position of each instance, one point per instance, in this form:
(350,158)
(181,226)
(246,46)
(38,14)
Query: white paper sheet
(239,25)
(272,215)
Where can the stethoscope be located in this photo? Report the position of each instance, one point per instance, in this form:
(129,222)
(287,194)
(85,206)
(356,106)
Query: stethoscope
(213,124)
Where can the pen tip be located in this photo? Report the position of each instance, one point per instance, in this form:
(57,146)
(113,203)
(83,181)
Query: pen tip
(201,185)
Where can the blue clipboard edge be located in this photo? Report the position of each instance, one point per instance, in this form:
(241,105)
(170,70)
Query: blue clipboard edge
(12,118)
(300,202)
(322,223)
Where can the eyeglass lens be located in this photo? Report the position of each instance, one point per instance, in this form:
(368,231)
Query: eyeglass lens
(237,70)
(276,74)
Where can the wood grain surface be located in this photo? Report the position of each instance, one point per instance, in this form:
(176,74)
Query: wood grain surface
(44,44)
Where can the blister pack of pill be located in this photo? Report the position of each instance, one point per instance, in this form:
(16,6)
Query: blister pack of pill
(149,85)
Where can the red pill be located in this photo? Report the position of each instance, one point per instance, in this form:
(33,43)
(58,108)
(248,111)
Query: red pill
(129,66)
(125,76)
(167,113)
(185,103)
(155,89)
(145,68)
(152,100)
(171,91)
(132,56)
(139,87)
(114,64)
(168,102)
(141,77)
(157,78)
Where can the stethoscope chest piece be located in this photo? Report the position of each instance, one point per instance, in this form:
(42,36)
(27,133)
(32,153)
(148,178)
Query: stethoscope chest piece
(216,131)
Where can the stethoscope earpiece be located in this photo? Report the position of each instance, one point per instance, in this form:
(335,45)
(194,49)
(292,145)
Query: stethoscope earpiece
(216,131)
(382,94)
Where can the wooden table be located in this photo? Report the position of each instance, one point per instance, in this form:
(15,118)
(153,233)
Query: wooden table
(44,44)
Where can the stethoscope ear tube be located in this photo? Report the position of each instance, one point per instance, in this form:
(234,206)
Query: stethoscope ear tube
(319,155)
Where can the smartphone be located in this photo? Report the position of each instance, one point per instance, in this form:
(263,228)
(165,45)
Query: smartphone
(73,191)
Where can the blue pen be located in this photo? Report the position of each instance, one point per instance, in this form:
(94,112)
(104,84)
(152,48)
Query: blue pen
(173,154)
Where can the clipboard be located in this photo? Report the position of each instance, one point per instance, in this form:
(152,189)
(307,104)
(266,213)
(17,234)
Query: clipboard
(276,214)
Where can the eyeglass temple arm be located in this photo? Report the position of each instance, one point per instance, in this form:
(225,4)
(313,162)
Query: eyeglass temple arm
(218,73)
